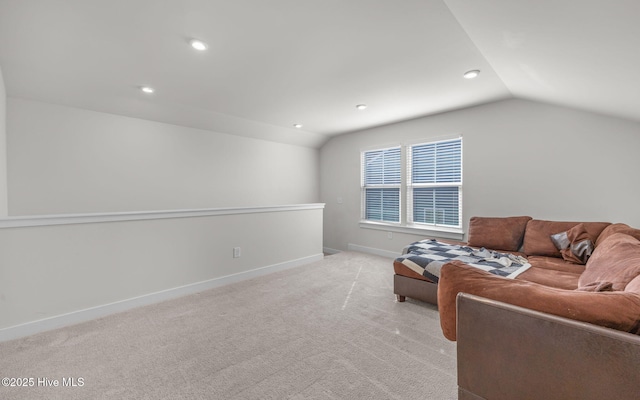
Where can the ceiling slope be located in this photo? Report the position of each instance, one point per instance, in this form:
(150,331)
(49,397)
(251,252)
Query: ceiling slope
(576,53)
(270,64)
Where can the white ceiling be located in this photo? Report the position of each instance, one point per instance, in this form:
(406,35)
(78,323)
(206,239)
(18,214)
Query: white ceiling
(274,63)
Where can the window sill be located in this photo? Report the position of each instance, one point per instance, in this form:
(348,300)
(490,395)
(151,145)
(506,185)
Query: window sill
(436,231)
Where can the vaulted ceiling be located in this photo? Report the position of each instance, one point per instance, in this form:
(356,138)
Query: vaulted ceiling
(271,64)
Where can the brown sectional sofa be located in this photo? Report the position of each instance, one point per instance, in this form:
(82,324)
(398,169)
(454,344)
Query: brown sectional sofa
(605,290)
(568,327)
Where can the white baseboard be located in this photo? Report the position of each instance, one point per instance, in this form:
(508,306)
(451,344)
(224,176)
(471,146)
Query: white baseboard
(75,317)
(329,250)
(374,251)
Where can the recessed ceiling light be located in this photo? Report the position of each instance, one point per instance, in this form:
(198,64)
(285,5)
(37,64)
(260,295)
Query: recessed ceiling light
(198,44)
(147,89)
(471,74)
(361,106)
(297,126)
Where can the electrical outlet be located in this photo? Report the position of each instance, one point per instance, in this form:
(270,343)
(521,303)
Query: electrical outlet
(236,252)
(390,235)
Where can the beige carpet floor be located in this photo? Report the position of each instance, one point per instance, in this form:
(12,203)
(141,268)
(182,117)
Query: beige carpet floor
(327,330)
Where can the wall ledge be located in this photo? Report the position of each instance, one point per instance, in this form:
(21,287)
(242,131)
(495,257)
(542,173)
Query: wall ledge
(70,219)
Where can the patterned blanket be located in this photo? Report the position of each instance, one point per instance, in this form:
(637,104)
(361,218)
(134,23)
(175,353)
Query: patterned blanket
(426,257)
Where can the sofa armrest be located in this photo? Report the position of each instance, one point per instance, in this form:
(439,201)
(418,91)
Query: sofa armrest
(509,352)
(617,310)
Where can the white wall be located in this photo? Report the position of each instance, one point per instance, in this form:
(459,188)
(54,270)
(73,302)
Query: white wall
(68,160)
(55,275)
(64,160)
(3,148)
(519,158)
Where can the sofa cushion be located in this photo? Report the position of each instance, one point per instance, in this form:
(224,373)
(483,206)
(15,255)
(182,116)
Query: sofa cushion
(401,269)
(575,245)
(615,260)
(597,287)
(497,233)
(552,278)
(633,286)
(555,264)
(617,228)
(537,235)
(618,310)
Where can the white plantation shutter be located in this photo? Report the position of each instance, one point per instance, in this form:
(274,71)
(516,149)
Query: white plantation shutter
(381,180)
(434,183)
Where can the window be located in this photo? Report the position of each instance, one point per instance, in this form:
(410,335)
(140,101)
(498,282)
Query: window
(434,183)
(381,180)
(430,189)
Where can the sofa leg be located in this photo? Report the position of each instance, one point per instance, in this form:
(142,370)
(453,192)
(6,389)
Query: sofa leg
(400,298)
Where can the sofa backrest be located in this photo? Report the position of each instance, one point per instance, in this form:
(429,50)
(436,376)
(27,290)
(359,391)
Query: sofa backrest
(497,233)
(617,228)
(615,261)
(537,235)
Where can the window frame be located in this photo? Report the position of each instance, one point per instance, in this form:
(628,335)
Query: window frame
(412,185)
(406,223)
(364,186)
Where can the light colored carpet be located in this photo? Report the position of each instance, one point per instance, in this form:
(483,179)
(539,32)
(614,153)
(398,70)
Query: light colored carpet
(328,330)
